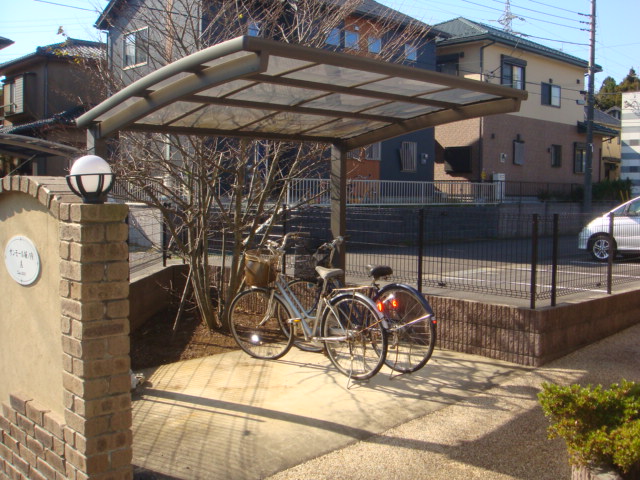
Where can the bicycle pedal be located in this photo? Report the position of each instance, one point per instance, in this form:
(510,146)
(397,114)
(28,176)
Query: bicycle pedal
(295,320)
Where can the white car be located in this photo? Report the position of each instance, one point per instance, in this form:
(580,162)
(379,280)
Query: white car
(626,232)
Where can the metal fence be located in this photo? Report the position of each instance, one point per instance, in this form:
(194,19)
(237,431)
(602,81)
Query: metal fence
(147,237)
(484,250)
(476,249)
(315,191)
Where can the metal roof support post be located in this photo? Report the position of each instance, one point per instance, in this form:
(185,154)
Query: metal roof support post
(96,145)
(339,197)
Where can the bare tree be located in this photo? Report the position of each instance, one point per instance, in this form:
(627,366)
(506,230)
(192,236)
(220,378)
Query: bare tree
(233,187)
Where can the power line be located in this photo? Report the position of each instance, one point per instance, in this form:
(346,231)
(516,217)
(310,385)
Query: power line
(559,8)
(527,17)
(554,40)
(542,13)
(68,6)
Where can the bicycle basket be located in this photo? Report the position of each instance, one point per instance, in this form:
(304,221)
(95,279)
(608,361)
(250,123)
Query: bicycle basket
(260,267)
(306,263)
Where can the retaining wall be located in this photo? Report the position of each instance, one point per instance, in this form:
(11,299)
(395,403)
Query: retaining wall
(531,337)
(513,334)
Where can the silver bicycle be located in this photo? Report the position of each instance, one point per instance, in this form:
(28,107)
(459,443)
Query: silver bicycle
(267,318)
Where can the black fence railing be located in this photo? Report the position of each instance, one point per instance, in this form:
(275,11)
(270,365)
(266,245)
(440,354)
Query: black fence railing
(523,191)
(476,249)
(534,257)
(147,237)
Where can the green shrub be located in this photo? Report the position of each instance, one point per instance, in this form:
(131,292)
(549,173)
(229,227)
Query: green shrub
(612,190)
(600,426)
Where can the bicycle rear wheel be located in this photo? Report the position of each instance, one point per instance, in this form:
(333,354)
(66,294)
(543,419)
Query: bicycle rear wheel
(259,324)
(354,337)
(412,329)
(308,293)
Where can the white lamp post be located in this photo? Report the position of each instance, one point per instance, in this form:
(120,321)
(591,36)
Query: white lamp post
(91,178)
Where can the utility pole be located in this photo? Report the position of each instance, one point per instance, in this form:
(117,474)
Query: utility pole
(588,167)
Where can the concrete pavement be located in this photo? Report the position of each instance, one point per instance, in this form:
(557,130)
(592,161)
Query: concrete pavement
(461,417)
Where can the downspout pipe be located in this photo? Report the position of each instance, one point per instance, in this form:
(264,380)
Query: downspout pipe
(481,132)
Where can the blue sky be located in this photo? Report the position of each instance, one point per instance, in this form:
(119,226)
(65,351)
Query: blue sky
(33,23)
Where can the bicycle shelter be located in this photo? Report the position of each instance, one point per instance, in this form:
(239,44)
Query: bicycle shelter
(255,88)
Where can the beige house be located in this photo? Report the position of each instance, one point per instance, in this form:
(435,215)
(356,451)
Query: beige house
(543,143)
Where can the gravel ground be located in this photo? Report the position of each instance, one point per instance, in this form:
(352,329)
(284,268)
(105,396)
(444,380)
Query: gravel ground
(463,442)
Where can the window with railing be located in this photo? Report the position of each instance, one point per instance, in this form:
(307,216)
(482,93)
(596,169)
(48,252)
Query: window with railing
(550,94)
(513,72)
(449,64)
(14,96)
(408,156)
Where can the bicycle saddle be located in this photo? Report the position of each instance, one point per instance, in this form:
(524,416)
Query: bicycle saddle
(329,272)
(377,271)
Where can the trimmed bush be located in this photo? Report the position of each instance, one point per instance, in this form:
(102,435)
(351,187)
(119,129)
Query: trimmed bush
(600,426)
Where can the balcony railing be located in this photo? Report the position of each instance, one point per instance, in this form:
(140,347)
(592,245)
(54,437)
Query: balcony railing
(394,192)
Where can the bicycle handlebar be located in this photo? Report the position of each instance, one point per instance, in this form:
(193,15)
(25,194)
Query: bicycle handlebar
(280,245)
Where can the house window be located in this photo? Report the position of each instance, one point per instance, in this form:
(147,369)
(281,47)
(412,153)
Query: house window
(551,94)
(14,96)
(556,155)
(334,37)
(375,45)
(253,28)
(373,151)
(513,72)
(408,156)
(135,47)
(410,52)
(457,159)
(518,152)
(579,157)
(449,64)
(351,39)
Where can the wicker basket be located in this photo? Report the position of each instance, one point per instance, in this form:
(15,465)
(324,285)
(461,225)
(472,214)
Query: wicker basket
(260,267)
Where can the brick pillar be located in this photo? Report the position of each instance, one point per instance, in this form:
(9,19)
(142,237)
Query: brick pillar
(89,435)
(95,333)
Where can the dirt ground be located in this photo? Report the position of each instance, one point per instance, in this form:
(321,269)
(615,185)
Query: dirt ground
(155,343)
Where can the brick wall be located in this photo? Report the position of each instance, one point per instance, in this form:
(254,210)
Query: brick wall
(493,135)
(92,438)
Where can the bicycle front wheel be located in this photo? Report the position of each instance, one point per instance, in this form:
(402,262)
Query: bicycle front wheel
(354,337)
(412,329)
(259,324)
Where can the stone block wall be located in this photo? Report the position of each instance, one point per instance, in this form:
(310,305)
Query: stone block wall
(91,438)
(531,337)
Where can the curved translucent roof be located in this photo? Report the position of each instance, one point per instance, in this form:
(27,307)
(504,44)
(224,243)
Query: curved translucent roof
(257,88)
